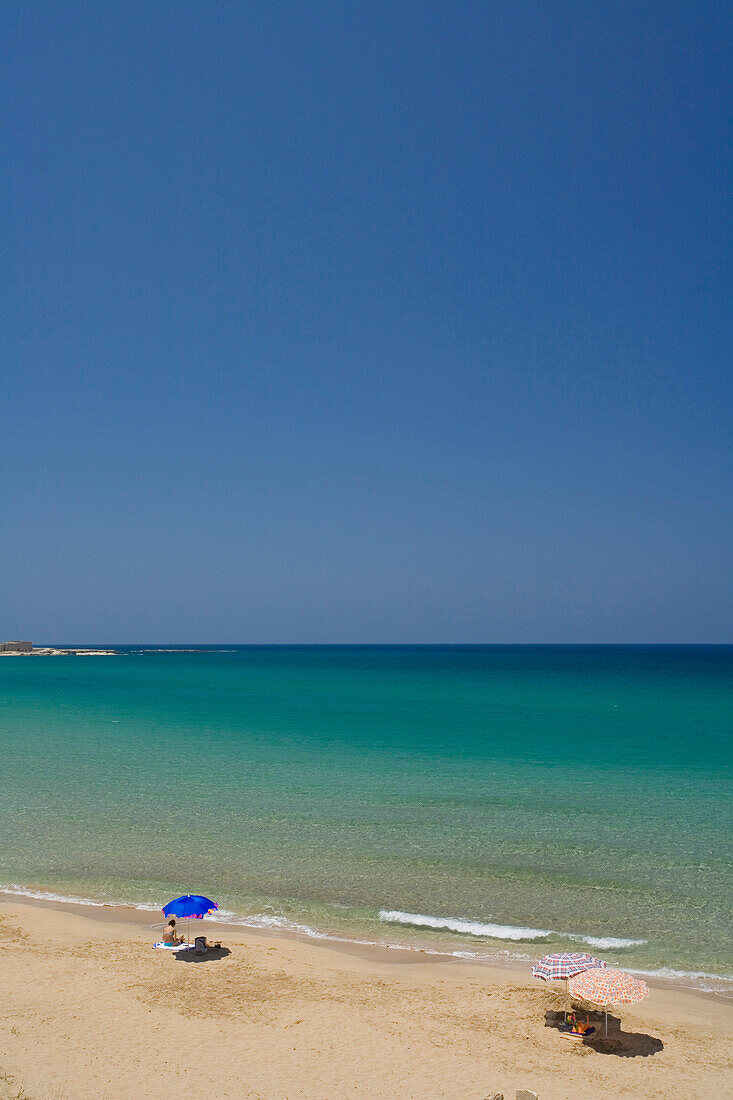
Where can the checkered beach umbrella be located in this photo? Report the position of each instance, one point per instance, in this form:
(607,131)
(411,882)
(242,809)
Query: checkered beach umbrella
(560,967)
(604,986)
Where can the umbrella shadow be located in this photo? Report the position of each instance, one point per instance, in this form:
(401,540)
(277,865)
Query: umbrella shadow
(624,1044)
(210,955)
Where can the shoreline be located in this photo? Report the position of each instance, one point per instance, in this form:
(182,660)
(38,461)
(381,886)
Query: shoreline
(384,952)
(93,1013)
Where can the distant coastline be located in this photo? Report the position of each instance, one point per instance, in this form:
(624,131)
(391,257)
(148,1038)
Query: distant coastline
(27,649)
(49,651)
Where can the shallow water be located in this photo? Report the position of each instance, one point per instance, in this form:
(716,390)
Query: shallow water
(470,799)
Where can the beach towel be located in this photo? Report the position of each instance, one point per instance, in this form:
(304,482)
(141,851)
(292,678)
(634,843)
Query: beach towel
(173,946)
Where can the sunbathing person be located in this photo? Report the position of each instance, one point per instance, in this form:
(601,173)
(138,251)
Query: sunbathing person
(170,936)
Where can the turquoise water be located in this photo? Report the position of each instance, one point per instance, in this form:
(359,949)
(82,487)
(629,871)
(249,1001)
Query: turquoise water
(473,799)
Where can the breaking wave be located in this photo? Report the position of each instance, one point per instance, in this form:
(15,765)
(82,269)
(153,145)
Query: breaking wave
(498,931)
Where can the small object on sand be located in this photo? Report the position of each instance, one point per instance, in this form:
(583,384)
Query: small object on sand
(574,1029)
(525,1094)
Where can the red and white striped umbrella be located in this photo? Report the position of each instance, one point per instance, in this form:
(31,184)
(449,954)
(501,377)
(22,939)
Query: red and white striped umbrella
(563,965)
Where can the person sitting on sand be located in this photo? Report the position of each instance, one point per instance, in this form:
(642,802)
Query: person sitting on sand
(170,936)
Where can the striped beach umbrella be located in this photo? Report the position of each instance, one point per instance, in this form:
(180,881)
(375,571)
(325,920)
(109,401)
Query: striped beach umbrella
(604,986)
(564,965)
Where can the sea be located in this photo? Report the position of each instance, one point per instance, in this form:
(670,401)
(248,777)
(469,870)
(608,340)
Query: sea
(485,802)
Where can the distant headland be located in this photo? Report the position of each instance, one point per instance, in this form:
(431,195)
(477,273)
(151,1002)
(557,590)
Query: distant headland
(27,649)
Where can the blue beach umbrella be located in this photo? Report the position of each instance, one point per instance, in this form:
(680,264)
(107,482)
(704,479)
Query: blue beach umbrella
(190,907)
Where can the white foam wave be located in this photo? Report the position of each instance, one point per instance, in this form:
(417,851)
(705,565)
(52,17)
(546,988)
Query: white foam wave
(498,931)
(278,923)
(606,942)
(468,927)
(700,976)
(283,924)
(72,899)
(223,916)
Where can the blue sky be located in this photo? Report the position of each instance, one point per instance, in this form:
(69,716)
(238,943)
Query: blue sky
(365,322)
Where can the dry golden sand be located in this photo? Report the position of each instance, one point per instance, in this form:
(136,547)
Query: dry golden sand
(89,1010)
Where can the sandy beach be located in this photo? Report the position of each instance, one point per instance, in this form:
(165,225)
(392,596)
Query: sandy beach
(91,1011)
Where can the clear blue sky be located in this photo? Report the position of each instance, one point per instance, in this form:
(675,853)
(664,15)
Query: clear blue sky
(359,321)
